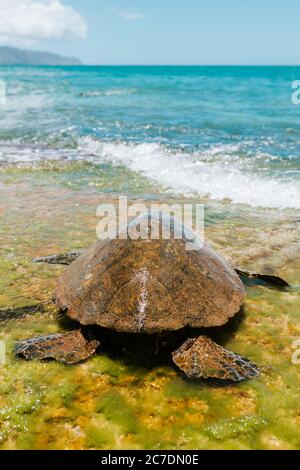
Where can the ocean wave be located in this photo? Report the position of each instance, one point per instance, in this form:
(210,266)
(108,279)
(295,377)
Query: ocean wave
(198,173)
(109,92)
(219,172)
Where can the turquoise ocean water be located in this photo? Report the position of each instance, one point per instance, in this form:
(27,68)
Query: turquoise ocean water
(223,132)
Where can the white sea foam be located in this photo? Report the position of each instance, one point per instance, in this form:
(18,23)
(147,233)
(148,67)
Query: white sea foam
(109,92)
(199,173)
(18,153)
(218,172)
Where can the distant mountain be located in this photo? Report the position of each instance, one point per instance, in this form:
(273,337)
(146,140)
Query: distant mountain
(14,56)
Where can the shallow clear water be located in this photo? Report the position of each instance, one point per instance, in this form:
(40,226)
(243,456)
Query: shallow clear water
(72,138)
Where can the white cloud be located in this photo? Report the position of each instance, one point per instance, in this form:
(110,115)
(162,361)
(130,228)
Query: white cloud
(130,15)
(27,21)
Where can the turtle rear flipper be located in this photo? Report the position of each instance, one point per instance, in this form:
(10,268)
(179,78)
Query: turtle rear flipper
(203,358)
(69,348)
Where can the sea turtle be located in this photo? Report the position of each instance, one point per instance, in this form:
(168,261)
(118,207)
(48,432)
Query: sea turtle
(143,288)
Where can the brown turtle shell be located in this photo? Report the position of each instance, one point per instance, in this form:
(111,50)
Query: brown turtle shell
(135,284)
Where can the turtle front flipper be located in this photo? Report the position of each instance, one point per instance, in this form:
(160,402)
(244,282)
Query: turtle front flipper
(261,279)
(69,348)
(202,358)
(62,258)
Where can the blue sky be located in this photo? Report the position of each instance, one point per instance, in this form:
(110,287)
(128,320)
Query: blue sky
(159,31)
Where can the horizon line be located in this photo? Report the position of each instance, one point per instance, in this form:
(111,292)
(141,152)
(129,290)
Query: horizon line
(151,65)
